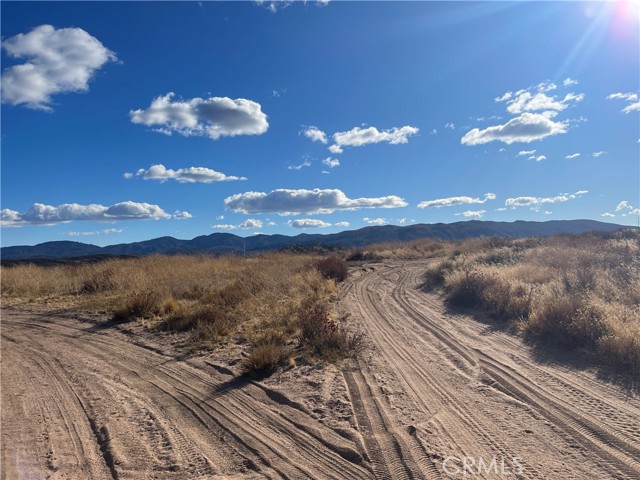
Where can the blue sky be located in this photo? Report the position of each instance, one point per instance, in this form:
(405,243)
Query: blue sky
(127,121)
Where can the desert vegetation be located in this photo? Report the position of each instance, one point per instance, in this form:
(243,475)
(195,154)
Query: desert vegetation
(281,306)
(574,291)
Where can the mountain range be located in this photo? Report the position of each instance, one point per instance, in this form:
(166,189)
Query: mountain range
(224,243)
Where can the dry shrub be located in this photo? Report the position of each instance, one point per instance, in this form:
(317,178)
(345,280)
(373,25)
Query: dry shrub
(326,338)
(333,268)
(145,304)
(576,291)
(265,355)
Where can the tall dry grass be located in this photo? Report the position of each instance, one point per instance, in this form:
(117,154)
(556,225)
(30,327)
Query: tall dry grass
(261,301)
(574,291)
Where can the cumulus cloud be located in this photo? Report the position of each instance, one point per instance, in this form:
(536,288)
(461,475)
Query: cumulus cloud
(607,214)
(375,221)
(573,155)
(599,154)
(536,202)
(40,214)
(357,137)
(294,202)
(450,125)
(473,213)
(525,128)
(300,166)
(181,215)
(453,201)
(57,61)
(331,162)
(341,224)
(212,117)
(249,223)
(309,223)
(534,99)
(630,98)
(182,175)
(523,153)
(106,231)
(315,134)
(569,82)
(537,158)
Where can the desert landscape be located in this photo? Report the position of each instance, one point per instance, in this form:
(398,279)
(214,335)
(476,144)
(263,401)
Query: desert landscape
(290,365)
(319,239)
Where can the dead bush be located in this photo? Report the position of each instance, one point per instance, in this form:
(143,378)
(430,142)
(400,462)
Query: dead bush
(325,338)
(333,268)
(265,355)
(145,304)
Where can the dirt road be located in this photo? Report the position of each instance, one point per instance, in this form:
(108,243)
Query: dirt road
(441,391)
(435,396)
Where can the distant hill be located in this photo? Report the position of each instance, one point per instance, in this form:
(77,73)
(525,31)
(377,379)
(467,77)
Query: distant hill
(221,243)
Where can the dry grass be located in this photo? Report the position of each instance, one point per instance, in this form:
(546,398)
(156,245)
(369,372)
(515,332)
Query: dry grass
(424,248)
(573,291)
(260,301)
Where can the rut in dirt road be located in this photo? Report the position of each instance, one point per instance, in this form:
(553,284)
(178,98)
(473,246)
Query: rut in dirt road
(81,403)
(453,389)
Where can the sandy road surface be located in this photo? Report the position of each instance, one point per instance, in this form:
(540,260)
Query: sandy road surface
(80,401)
(436,388)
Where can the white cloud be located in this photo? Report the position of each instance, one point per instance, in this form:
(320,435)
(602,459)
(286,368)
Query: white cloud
(309,223)
(501,209)
(537,158)
(107,231)
(182,175)
(331,162)
(569,82)
(607,214)
(304,164)
(341,224)
(624,205)
(453,201)
(630,97)
(40,214)
(523,153)
(57,61)
(537,201)
(635,211)
(212,117)
(573,155)
(535,99)
(450,125)
(315,134)
(599,154)
(274,5)
(357,137)
(473,213)
(375,221)
(526,128)
(294,202)
(249,223)
(181,215)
